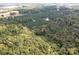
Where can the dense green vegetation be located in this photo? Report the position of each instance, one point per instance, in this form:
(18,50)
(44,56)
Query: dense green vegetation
(32,34)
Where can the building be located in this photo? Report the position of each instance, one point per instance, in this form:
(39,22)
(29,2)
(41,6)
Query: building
(47,19)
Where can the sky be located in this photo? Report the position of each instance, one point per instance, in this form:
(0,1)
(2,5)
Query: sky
(39,1)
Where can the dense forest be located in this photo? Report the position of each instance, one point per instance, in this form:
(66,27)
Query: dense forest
(32,34)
